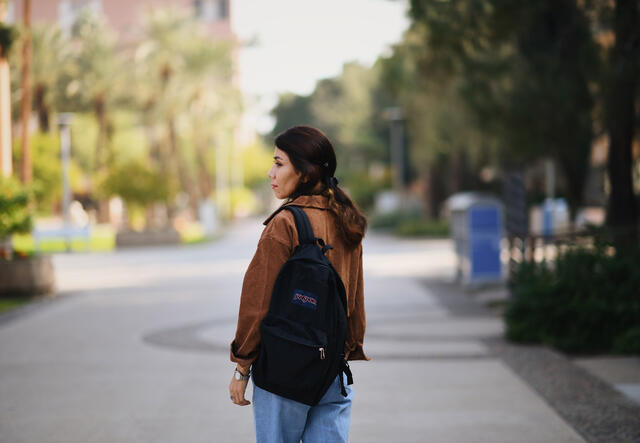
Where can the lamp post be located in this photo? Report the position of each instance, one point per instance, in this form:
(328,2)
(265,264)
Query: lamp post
(396,141)
(64,123)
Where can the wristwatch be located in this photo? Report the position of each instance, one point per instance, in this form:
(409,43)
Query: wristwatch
(238,375)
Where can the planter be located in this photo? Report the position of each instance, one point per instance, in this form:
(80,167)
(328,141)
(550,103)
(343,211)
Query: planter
(27,276)
(127,239)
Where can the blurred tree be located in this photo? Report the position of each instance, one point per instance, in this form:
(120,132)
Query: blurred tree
(343,108)
(138,183)
(47,171)
(180,71)
(349,108)
(93,81)
(51,60)
(15,216)
(622,95)
(526,70)
(291,110)
(447,146)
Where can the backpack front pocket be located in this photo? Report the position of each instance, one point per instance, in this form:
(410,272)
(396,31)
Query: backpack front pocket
(292,354)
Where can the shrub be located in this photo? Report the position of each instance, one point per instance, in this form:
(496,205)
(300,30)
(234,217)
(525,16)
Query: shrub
(363,188)
(15,216)
(393,219)
(422,228)
(588,301)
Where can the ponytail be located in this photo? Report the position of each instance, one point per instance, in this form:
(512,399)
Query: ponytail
(352,224)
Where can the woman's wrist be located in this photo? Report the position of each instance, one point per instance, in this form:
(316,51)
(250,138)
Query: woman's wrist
(244,370)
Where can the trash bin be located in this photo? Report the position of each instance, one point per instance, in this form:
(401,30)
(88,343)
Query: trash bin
(477,230)
(550,218)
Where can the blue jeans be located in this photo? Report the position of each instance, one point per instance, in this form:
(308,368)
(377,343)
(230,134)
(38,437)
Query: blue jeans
(280,420)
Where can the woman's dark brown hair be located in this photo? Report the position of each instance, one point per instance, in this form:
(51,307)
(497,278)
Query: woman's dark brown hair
(312,154)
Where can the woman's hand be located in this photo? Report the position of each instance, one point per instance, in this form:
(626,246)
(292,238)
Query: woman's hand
(237,388)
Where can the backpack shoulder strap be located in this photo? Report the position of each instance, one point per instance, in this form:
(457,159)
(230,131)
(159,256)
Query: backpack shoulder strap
(305,231)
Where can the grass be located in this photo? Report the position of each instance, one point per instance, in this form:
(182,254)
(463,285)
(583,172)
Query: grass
(103,238)
(422,228)
(8,303)
(192,233)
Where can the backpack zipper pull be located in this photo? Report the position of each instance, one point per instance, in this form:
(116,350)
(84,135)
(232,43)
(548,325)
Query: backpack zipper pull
(322,356)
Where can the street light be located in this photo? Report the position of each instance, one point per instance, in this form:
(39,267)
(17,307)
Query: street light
(396,140)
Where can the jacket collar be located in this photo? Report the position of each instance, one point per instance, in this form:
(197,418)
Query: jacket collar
(305,201)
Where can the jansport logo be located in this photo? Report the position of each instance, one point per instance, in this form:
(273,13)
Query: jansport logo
(304,298)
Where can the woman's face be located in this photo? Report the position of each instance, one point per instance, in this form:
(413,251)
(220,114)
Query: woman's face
(284,178)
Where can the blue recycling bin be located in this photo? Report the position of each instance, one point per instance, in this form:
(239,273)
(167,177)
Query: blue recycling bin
(477,228)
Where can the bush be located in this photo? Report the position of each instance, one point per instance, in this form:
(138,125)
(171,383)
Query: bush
(589,301)
(422,228)
(363,188)
(391,220)
(15,214)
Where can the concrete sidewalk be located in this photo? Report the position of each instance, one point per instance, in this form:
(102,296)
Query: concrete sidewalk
(137,351)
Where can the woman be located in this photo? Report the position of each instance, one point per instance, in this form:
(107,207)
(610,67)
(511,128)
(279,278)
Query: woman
(304,164)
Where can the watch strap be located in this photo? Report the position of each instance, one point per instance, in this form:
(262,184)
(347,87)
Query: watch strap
(240,376)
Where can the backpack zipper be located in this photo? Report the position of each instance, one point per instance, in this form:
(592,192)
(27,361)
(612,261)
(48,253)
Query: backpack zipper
(322,355)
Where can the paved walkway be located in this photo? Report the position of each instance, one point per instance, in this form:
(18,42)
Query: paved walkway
(136,350)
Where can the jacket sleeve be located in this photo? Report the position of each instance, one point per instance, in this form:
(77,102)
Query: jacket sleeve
(273,251)
(357,321)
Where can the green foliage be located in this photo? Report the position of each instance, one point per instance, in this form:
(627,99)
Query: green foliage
(422,228)
(13,302)
(393,219)
(15,216)
(588,302)
(363,188)
(47,170)
(521,73)
(137,183)
(349,109)
(291,110)
(409,223)
(256,161)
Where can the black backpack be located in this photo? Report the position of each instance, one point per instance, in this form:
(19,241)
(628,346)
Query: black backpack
(304,332)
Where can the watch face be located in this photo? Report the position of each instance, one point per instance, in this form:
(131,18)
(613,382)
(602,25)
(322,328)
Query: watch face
(238,376)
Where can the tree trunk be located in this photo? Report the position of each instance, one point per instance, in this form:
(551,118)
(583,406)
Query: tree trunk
(183,175)
(101,117)
(99,108)
(622,214)
(42,108)
(25,159)
(204,178)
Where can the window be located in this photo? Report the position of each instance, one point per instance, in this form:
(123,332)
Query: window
(69,10)
(211,10)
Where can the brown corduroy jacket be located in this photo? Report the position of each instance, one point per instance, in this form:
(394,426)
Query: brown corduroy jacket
(276,245)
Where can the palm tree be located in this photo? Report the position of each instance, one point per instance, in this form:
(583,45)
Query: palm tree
(50,62)
(94,74)
(183,79)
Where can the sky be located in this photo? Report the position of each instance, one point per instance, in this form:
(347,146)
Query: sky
(298,42)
